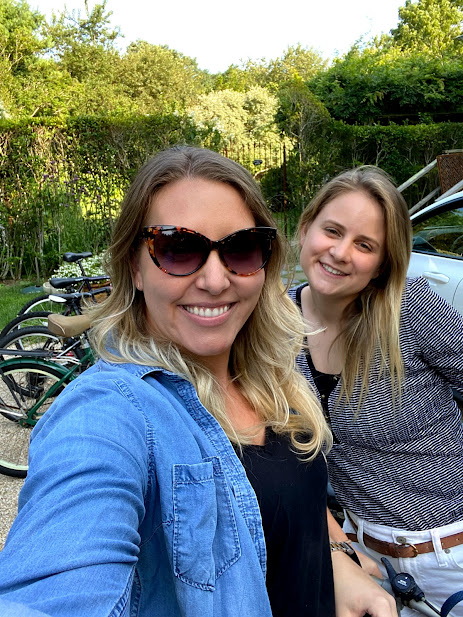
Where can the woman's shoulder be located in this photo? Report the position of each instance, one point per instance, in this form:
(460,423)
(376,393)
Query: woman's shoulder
(110,390)
(421,306)
(419,295)
(416,284)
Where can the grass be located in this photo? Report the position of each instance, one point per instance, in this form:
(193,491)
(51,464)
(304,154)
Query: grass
(12,299)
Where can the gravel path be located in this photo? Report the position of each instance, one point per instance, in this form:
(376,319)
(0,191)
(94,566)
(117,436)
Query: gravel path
(9,490)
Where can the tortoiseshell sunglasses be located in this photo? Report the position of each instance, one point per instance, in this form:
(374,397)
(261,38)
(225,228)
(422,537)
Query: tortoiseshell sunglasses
(179,251)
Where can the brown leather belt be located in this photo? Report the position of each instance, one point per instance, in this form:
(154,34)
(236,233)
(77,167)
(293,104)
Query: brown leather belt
(405,549)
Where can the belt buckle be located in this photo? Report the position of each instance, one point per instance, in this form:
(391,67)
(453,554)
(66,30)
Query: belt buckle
(403,542)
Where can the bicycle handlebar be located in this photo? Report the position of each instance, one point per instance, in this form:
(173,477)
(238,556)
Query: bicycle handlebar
(405,588)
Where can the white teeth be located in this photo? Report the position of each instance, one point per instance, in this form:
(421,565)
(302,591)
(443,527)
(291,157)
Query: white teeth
(332,270)
(207,312)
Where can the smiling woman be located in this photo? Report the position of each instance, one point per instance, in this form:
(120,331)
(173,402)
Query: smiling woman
(387,353)
(192,454)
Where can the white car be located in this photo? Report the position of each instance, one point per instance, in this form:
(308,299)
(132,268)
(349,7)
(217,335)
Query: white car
(437,252)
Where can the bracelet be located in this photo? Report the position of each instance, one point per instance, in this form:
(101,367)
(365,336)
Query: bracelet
(345,547)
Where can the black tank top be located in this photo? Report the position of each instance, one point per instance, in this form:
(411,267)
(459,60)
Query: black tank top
(292,500)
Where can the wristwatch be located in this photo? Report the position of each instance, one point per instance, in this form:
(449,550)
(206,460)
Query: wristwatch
(345,547)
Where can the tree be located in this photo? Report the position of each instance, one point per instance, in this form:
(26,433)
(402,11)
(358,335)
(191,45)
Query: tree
(304,119)
(156,78)
(374,85)
(429,26)
(46,91)
(84,45)
(297,61)
(31,84)
(239,119)
(301,115)
(21,37)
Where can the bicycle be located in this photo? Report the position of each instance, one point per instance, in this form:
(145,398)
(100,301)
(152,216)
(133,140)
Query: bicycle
(37,318)
(48,302)
(30,382)
(29,323)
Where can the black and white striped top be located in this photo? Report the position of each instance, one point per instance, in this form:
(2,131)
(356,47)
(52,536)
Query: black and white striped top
(402,466)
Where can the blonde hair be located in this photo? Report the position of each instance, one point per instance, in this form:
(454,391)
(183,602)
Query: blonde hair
(262,359)
(371,323)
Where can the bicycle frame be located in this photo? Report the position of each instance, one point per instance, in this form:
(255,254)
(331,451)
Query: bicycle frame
(67,375)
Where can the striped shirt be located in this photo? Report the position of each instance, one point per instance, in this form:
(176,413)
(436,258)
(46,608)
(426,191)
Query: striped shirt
(402,466)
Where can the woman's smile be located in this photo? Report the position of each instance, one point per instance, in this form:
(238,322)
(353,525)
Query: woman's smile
(331,270)
(206,311)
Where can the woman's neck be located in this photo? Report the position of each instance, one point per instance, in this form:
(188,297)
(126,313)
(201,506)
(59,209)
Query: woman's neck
(241,414)
(321,310)
(325,346)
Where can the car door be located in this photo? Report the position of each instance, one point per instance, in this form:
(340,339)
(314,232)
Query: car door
(437,252)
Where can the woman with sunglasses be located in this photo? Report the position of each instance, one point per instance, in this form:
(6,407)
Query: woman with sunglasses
(384,357)
(184,474)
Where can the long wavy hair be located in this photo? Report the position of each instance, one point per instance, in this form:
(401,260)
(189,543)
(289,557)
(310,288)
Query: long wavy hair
(371,322)
(262,358)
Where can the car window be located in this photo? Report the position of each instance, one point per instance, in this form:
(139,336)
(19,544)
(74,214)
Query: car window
(441,233)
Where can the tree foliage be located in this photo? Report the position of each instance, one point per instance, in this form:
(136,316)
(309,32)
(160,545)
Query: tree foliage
(20,35)
(296,61)
(239,119)
(429,27)
(372,85)
(156,78)
(72,66)
(78,115)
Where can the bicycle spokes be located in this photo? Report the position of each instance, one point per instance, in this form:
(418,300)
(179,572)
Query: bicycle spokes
(26,392)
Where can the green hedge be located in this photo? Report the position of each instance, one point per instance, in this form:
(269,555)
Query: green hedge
(400,150)
(61,184)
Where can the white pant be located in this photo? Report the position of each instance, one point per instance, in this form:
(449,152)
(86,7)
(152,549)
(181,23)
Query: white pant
(439,574)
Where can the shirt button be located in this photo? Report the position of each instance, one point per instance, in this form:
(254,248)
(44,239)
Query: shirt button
(323,397)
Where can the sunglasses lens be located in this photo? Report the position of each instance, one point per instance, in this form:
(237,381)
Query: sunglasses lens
(246,251)
(179,252)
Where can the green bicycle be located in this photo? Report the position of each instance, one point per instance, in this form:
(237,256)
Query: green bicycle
(29,383)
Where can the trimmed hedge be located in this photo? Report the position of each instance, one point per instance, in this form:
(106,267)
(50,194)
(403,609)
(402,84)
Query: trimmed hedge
(61,184)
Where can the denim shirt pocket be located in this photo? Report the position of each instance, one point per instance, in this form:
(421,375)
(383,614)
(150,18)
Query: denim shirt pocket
(206,541)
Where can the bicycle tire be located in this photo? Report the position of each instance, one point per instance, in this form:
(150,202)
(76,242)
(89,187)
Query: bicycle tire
(38,338)
(26,320)
(22,385)
(43,303)
(29,339)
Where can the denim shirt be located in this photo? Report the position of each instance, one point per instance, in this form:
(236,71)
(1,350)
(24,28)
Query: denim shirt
(135,505)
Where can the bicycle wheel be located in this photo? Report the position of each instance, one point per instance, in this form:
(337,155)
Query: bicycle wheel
(27,320)
(43,303)
(37,338)
(22,386)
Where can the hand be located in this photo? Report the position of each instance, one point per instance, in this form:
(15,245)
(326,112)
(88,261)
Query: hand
(369,565)
(355,591)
